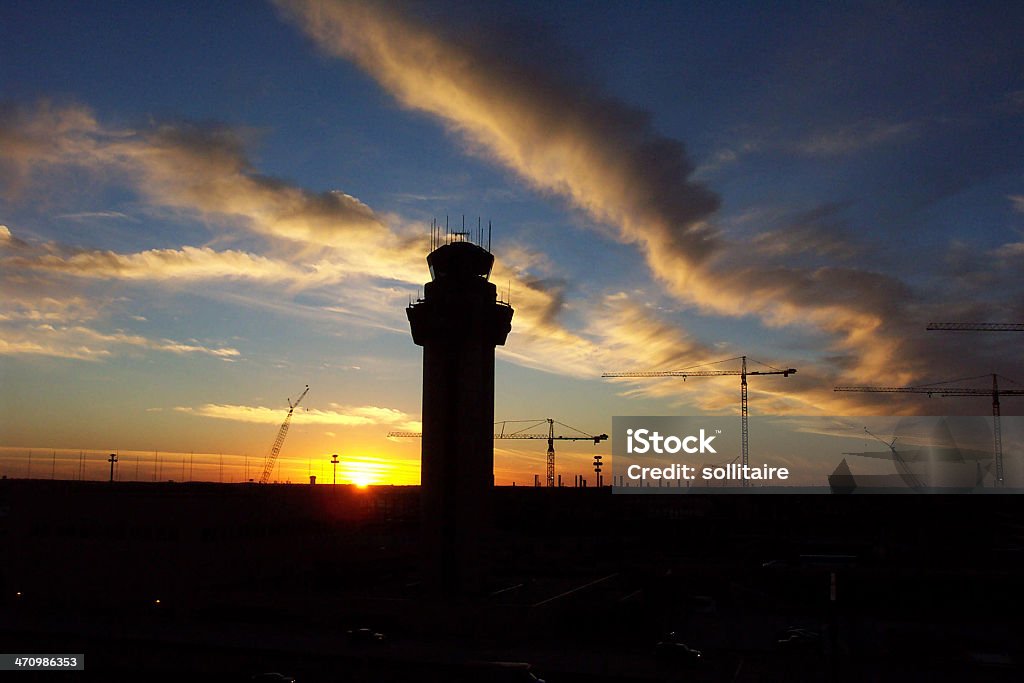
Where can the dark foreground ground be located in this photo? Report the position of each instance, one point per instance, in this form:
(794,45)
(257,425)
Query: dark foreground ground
(200,581)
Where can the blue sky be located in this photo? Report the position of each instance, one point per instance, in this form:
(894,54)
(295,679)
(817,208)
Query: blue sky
(208,206)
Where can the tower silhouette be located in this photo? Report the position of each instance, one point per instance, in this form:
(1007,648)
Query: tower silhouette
(458,322)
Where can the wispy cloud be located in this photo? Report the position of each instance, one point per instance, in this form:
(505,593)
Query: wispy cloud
(348,416)
(187,263)
(95,215)
(623,334)
(605,158)
(1010,254)
(197,168)
(600,154)
(825,143)
(820,231)
(390,250)
(85,343)
(853,137)
(570,140)
(202,172)
(45,308)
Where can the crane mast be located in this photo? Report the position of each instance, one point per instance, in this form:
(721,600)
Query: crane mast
(997,432)
(282,432)
(744,418)
(550,473)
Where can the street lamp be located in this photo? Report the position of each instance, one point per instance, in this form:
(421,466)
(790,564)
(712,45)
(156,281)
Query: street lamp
(334,461)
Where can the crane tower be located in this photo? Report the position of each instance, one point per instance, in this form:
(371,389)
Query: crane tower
(275,450)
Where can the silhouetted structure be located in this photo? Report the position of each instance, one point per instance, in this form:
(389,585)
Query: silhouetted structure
(458,322)
(275,450)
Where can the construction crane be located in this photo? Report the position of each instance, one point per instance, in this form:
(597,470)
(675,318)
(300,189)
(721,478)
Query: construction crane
(743,374)
(525,432)
(281,433)
(978,327)
(937,389)
(902,467)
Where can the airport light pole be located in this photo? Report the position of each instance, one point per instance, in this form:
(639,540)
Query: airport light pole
(112,459)
(597,469)
(334,461)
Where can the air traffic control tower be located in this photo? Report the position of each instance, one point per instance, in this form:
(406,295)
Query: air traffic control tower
(458,322)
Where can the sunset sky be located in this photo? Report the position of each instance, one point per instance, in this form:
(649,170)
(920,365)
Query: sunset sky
(206,206)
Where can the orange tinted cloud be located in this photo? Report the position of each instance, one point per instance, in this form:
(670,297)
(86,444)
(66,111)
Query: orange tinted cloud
(222,185)
(85,343)
(198,169)
(348,416)
(605,158)
(187,263)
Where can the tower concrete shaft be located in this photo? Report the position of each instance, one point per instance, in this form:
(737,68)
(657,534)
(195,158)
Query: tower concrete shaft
(458,322)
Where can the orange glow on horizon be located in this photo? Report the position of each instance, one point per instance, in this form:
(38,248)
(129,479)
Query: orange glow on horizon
(366,471)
